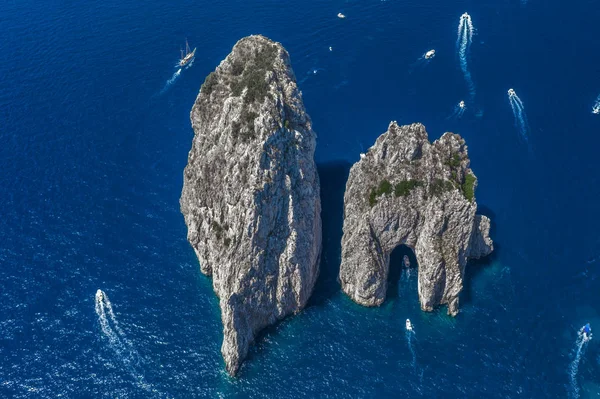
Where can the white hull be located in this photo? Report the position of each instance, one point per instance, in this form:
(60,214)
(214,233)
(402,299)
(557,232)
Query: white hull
(187,59)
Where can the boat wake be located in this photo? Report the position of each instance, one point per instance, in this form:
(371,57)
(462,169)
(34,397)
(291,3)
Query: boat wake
(188,66)
(185,63)
(174,77)
(113,332)
(117,339)
(518,110)
(596,107)
(459,111)
(463,45)
(310,73)
(172,80)
(406,268)
(580,346)
(409,340)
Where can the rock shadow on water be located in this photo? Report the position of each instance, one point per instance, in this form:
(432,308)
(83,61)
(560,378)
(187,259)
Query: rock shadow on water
(333,176)
(475,267)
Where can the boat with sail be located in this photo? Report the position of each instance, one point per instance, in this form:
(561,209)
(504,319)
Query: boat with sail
(188,56)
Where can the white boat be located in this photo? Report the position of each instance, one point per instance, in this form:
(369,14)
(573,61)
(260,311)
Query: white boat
(596,110)
(340,15)
(430,54)
(409,326)
(511,93)
(461,104)
(188,56)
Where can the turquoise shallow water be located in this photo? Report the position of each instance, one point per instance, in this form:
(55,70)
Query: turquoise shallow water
(94,138)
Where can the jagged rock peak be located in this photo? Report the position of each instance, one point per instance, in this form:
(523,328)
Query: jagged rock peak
(406,190)
(251,192)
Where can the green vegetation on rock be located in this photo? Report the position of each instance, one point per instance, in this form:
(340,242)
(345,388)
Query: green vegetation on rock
(385,187)
(401,189)
(468,187)
(404,188)
(254,74)
(237,68)
(440,186)
(454,161)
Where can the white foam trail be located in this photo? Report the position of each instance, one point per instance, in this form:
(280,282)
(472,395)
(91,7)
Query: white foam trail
(459,111)
(174,77)
(518,110)
(596,107)
(171,81)
(409,340)
(102,306)
(463,45)
(111,329)
(310,73)
(581,344)
(188,66)
(104,309)
(117,340)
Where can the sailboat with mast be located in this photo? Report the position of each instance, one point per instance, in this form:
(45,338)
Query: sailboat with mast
(188,56)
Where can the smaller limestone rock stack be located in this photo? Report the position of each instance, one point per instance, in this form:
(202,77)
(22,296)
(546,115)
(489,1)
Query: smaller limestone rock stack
(251,192)
(409,191)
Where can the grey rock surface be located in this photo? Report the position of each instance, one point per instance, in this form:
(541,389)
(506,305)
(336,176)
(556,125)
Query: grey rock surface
(406,190)
(250,195)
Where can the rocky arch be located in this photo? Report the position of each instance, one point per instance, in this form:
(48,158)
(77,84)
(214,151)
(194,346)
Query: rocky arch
(408,191)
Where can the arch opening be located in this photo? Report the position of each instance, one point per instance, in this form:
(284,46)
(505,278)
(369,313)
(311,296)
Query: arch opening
(403,263)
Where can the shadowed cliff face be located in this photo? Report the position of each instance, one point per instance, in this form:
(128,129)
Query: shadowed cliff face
(408,191)
(251,192)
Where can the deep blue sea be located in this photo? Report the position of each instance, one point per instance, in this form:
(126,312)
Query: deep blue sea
(94,136)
